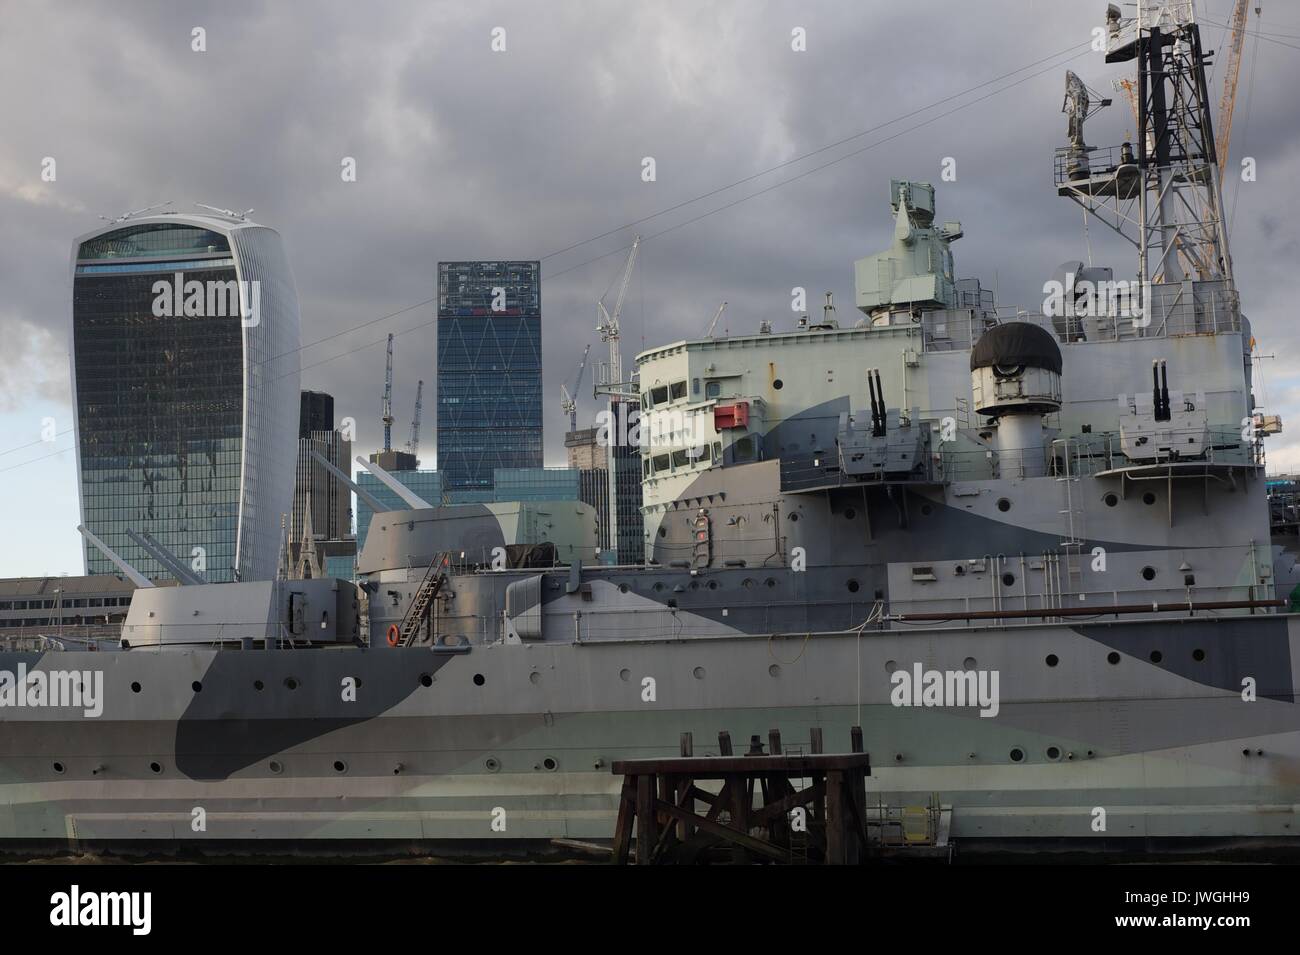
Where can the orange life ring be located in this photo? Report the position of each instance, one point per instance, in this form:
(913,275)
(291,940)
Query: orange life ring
(393,634)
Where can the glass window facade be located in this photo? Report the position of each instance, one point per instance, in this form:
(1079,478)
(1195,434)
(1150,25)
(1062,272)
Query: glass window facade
(160,421)
(186,424)
(489,370)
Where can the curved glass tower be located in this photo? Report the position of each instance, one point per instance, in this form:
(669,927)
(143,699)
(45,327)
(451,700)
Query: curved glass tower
(185,336)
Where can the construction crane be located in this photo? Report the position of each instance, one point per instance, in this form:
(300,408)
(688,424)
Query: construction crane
(414,444)
(1129,89)
(608,325)
(1230,74)
(568,399)
(713,324)
(388,397)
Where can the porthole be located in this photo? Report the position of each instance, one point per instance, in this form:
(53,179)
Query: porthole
(695,585)
(340,766)
(258,685)
(290,683)
(1112,658)
(534,678)
(196,686)
(774,670)
(794,517)
(492,764)
(853,586)
(59,768)
(890,666)
(1148,573)
(850,513)
(968,663)
(1156,656)
(1004,504)
(479,679)
(663,532)
(747,582)
(698,673)
(1052,660)
(713,585)
(770,582)
(1017,754)
(1110,500)
(155,768)
(135,687)
(622,588)
(1053,753)
(926,509)
(426,679)
(1008,579)
(1148,498)
(550,764)
(1198,655)
(275,766)
(625,674)
(778,384)
(659,586)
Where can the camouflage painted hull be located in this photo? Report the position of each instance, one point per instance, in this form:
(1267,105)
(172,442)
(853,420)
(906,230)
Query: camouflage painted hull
(261,745)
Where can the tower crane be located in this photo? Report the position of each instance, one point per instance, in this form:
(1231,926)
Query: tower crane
(414,444)
(713,324)
(387,416)
(568,400)
(609,328)
(1231,71)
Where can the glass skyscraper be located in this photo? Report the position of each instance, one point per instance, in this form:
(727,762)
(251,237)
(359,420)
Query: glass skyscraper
(185,335)
(489,370)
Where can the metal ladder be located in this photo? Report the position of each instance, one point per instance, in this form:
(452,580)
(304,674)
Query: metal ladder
(1072,516)
(424,596)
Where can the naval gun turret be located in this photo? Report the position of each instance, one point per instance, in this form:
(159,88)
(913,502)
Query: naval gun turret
(885,446)
(1164,425)
(1016,378)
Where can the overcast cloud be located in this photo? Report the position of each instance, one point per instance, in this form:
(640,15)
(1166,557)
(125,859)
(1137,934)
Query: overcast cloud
(466,153)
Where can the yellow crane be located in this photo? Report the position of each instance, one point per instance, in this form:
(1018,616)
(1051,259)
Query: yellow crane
(1237,27)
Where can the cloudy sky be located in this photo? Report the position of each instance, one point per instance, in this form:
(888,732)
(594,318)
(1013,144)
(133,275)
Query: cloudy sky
(536,152)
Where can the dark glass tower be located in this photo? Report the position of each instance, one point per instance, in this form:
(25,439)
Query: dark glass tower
(186,403)
(489,370)
(317,413)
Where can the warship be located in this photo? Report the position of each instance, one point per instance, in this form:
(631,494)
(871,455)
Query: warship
(1027,552)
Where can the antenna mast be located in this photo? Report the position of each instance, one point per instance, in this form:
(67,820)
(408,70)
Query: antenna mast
(1161,193)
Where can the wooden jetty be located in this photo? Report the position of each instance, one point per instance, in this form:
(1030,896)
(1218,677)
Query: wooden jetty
(823,822)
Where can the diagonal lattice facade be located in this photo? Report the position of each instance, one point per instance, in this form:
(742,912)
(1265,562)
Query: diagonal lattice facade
(489,370)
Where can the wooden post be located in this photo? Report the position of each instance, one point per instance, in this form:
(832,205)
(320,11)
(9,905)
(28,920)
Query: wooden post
(623,828)
(688,745)
(724,743)
(815,740)
(836,811)
(647,829)
(774,742)
(855,737)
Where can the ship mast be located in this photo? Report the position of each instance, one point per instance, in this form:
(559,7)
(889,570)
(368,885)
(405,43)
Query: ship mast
(1162,193)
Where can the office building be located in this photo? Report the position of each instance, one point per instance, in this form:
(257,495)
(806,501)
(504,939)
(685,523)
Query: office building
(489,370)
(185,335)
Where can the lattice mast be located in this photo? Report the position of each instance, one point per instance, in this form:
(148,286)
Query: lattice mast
(1163,192)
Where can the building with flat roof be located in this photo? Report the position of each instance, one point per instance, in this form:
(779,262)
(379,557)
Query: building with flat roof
(489,370)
